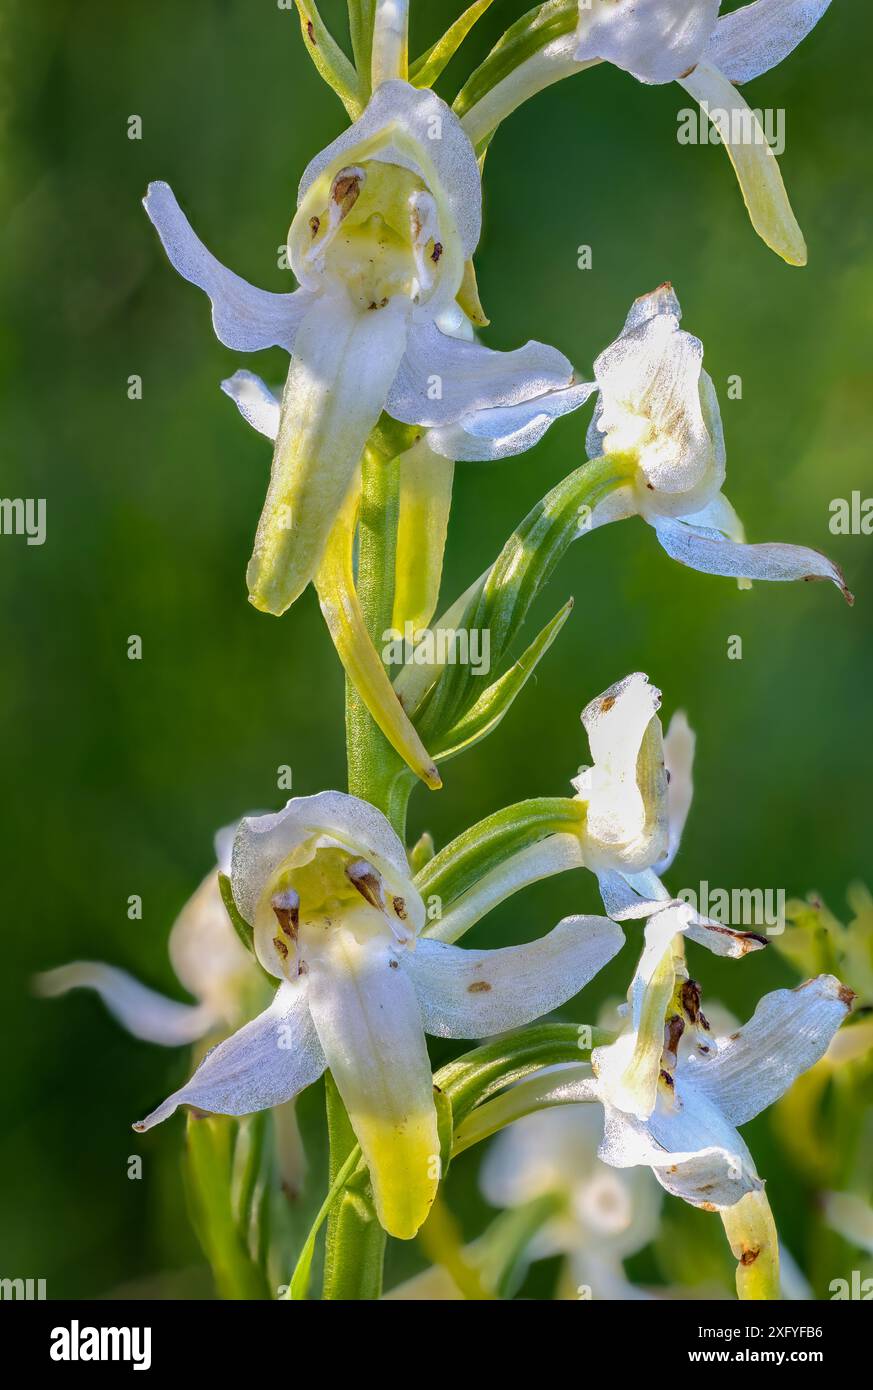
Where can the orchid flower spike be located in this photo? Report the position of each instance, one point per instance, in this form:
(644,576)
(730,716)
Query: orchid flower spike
(658,412)
(684,41)
(387,220)
(326,885)
(208,958)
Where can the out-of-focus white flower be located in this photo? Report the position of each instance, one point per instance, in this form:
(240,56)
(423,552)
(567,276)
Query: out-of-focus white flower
(207,956)
(607,1215)
(327,888)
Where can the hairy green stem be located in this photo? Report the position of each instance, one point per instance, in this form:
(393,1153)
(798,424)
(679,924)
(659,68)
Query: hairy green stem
(376,772)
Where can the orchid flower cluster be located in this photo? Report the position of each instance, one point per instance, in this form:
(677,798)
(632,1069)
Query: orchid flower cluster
(321,944)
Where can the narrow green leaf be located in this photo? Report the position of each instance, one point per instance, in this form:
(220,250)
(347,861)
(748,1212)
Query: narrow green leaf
(475,852)
(521,41)
(332,64)
(483,717)
(422,852)
(240,925)
(208,1172)
(298,1288)
(500,602)
(362,15)
(426,69)
(445,1128)
(472,1079)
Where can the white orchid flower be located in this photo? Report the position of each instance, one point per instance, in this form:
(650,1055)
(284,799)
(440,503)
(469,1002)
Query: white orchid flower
(657,407)
(207,956)
(690,1140)
(388,218)
(684,41)
(607,1214)
(625,731)
(326,885)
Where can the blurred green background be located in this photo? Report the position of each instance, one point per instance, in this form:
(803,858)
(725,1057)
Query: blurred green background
(119,771)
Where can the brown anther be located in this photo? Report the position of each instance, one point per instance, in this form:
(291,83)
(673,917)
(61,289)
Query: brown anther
(606,704)
(364,877)
(436,252)
(314,225)
(400,908)
(281,947)
(674,1027)
(346,188)
(689,996)
(286,910)
(310,32)
(479,987)
(667,1079)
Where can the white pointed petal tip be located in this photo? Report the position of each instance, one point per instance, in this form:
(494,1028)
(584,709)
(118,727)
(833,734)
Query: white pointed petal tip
(142,1011)
(255,402)
(710,552)
(263,1064)
(788,1033)
(244,318)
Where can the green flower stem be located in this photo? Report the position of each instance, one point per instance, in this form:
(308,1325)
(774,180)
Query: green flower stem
(376,772)
(355,1242)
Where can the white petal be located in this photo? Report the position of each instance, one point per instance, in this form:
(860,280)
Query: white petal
(254,401)
(650,403)
(754,162)
(656,40)
(474,994)
(509,430)
(142,1011)
(264,1064)
(721,940)
(442,379)
(787,1034)
(692,1150)
(679,762)
(244,318)
(626,790)
(851,1217)
(365,1010)
(344,362)
(627,897)
(264,843)
(711,553)
(206,953)
(756,37)
(416,130)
